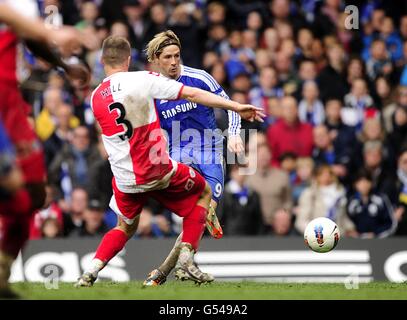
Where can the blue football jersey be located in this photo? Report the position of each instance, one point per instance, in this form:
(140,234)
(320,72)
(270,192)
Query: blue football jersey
(192,131)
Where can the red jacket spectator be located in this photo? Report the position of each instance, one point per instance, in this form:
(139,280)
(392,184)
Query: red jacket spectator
(289,134)
(295,138)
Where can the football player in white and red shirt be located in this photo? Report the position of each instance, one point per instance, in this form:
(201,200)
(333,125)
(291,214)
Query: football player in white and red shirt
(123,105)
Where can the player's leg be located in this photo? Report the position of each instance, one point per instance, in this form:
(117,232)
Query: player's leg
(127,207)
(187,189)
(112,243)
(159,276)
(214,175)
(17,209)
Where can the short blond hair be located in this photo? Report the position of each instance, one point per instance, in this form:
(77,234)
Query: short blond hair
(161,40)
(305,162)
(115,50)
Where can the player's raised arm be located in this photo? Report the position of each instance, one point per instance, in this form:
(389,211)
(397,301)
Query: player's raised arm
(34,29)
(246,111)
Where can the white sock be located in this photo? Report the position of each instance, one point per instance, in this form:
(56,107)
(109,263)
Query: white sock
(96,266)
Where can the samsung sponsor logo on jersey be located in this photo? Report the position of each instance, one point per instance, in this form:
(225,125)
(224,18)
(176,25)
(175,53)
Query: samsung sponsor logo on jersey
(184,107)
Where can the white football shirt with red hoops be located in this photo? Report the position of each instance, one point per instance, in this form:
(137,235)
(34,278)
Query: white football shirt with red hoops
(123,105)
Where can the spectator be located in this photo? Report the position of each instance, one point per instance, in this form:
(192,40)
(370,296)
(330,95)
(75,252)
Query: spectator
(254,23)
(304,168)
(93,223)
(324,198)
(289,134)
(216,13)
(235,55)
(318,55)
(403,27)
(373,131)
(333,73)
(400,212)
(306,72)
(272,185)
(157,23)
(310,108)
(134,11)
(44,125)
(325,153)
(270,40)
(358,105)
(51,211)
(282,13)
(51,228)
(371,212)
(379,63)
(288,162)
(186,21)
(62,133)
(249,40)
(153,225)
(402,71)
(383,178)
(217,36)
(73,211)
(240,208)
(392,39)
(71,167)
(89,12)
(285,70)
(282,224)
(100,179)
(304,40)
(342,136)
(218,72)
(267,88)
(398,138)
(354,70)
(389,110)
(383,92)
(240,81)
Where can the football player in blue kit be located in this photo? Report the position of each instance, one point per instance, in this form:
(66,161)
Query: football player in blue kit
(193,136)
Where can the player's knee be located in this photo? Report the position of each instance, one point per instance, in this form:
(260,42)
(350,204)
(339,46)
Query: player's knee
(207,192)
(128,229)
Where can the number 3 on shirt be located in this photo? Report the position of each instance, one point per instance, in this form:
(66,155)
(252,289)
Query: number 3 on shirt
(120,120)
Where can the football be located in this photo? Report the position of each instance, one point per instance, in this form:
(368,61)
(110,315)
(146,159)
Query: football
(321,235)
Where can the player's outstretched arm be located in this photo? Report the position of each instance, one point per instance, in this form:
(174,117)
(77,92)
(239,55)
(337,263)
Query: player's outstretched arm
(77,72)
(27,28)
(246,111)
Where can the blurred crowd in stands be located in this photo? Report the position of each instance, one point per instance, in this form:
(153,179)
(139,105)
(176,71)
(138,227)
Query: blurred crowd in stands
(334,142)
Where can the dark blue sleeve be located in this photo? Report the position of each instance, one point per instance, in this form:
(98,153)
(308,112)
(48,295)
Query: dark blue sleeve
(7,156)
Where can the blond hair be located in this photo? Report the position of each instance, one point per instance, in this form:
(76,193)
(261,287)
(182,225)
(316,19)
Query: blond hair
(115,50)
(305,162)
(161,40)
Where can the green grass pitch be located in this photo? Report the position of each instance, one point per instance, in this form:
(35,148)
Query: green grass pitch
(218,290)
